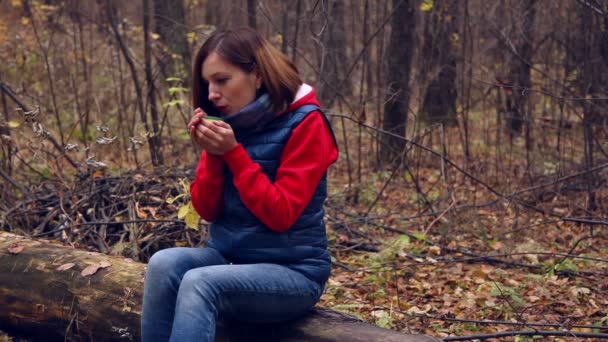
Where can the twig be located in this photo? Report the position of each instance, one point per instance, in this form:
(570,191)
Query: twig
(587,221)
(527,333)
(526,89)
(25,108)
(476,257)
(511,323)
(593,8)
(487,322)
(469,175)
(386,183)
(13,182)
(426,230)
(341,265)
(506,299)
(572,249)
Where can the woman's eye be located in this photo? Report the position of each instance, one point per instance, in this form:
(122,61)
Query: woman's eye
(222,80)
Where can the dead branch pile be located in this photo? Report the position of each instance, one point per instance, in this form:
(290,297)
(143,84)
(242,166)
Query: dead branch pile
(133,214)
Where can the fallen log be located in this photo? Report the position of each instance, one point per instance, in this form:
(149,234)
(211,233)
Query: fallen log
(52,292)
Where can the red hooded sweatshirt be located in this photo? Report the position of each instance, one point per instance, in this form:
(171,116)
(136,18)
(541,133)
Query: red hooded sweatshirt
(307,155)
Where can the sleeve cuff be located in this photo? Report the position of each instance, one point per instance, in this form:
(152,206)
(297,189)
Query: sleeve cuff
(237,160)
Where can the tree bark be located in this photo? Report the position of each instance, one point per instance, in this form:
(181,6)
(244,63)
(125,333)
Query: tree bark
(40,301)
(591,61)
(158,157)
(399,56)
(153,141)
(252,17)
(213,13)
(170,24)
(520,73)
(6,146)
(439,61)
(334,61)
(294,44)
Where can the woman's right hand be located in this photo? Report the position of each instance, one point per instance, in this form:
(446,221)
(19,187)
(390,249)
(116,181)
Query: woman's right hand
(196,119)
(196,130)
(196,134)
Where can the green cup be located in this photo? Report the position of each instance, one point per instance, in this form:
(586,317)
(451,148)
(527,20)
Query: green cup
(213,118)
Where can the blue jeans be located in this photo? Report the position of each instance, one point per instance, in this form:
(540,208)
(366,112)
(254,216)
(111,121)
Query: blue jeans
(187,289)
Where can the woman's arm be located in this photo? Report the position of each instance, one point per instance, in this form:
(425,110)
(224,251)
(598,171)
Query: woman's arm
(310,150)
(207,189)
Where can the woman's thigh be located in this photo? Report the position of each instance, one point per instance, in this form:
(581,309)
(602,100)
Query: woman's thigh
(254,292)
(175,262)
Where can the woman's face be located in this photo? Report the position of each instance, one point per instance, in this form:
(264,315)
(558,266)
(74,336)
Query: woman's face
(230,88)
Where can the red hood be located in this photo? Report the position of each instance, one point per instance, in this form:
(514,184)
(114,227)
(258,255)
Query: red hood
(305,95)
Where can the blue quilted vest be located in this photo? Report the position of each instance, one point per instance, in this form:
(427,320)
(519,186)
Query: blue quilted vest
(244,239)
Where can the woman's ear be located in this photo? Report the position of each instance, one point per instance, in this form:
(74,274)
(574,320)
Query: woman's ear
(258,79)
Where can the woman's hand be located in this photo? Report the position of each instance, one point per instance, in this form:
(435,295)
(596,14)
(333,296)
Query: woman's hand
(215,137)
(198,114)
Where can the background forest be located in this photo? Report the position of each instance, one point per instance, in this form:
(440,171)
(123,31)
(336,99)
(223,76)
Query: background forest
(471,193)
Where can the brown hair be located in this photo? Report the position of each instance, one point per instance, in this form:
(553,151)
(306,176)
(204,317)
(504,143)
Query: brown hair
(248,50)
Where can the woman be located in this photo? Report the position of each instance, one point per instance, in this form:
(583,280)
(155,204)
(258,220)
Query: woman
(261,182)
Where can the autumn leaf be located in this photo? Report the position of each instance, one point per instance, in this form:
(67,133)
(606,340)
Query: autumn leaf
(192,220)
(187,213)
(15,249)
(14,124)
(105,264)
(141,213)
(90,270)
(66,266)
(191,37)
(426,5)
(170,200)
(183,211)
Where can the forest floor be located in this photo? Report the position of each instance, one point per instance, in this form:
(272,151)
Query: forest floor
(510,245)
(472,264)
(492,249)
(483,264)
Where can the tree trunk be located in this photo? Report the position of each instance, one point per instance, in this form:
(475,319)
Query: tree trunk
(170,25)
(157,158)
(439,61)
(333,63)
(285,26)
(6,144)
(112,16)
(399,55)
(252,17)
(39,300)
(520,74)
(592,56)
(213,13)
(294,44)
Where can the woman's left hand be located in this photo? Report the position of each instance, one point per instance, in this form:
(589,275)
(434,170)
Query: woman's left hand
(218,134)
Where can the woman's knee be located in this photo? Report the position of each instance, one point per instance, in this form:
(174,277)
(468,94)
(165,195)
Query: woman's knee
(195,279)
(196,285)
(163,260)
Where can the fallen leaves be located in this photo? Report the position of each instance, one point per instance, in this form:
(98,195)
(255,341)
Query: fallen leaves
(15,249)
(65,267)
(92,269)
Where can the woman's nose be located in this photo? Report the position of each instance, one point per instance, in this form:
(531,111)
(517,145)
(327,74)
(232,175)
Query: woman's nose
(213,96)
